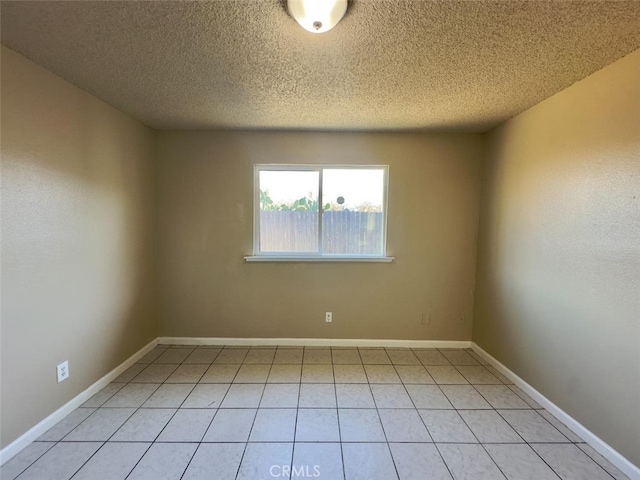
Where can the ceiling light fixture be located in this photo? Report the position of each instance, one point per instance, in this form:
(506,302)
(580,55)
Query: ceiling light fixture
(317,16)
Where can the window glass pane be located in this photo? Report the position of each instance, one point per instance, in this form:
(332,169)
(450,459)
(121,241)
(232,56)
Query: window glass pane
(353,216)
(289,211)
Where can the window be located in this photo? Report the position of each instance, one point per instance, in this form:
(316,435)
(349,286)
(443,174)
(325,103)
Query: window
(313,212)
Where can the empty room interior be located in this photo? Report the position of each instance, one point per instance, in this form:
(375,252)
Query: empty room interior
(364,239)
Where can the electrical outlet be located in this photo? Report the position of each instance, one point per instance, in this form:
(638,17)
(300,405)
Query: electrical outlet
(328,317)
(63,371)
(426,319)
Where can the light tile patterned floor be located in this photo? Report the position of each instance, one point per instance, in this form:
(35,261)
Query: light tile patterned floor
(328,413)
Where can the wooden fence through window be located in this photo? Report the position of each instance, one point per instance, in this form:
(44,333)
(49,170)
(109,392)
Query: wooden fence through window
(343,232)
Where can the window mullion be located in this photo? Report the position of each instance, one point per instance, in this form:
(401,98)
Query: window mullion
(320,211)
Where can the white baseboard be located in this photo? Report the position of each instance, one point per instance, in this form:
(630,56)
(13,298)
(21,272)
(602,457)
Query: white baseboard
(313,342)
(589,437)
(11,450)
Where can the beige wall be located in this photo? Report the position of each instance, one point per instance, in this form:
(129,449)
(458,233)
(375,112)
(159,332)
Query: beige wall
(77,252)
(205,225)
(558,297)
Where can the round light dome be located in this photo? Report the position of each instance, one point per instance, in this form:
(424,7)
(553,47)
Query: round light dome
(317,16)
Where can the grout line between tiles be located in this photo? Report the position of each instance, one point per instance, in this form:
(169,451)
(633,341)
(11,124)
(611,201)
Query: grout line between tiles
(295,425)
(382,426)
(264,386)
(38,458)
(177,409)
(481,445)
(423,422)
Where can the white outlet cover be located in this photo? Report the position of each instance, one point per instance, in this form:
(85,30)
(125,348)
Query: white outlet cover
(328,317)
(63,371)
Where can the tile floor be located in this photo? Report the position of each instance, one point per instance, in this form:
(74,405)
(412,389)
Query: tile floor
(328,413)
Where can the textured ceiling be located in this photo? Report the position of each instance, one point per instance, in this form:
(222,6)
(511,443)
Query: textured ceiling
(389,65)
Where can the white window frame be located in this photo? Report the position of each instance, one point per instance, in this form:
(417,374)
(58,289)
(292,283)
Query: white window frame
(259,256)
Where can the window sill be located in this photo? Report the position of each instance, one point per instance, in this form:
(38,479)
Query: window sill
(323,259)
